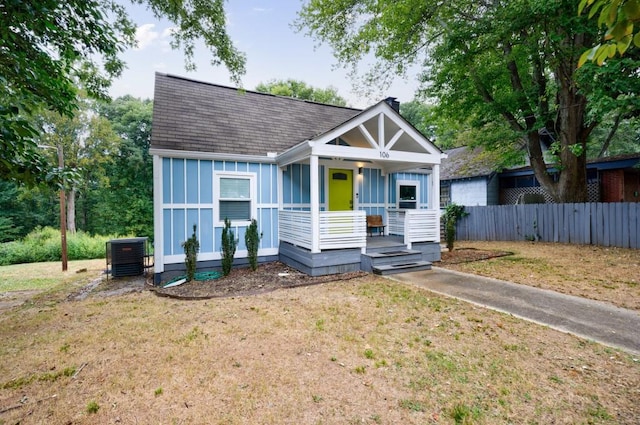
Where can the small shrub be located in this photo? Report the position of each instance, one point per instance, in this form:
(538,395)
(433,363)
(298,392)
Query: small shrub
(191,247)
(252,241)
(452,213)
(93,407)
(229,244)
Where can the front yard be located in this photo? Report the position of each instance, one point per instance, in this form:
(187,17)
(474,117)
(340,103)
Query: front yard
(362,351)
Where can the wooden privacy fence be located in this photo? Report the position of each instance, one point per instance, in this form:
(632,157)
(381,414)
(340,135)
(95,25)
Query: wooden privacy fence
(605,224)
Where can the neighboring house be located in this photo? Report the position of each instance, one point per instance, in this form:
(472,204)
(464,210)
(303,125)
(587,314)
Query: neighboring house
(467,179)
(611,179)
(308,173)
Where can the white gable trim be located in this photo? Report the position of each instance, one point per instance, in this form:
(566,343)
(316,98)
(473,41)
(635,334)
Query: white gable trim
(380,151)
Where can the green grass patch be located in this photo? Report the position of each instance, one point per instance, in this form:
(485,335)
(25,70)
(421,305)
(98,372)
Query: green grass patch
(413,405)
(38,377)
(45,276)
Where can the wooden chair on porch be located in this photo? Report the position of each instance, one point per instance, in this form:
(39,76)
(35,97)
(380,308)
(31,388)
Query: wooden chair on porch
(375,222)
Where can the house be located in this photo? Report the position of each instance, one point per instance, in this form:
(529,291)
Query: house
(308,173)
(467,178)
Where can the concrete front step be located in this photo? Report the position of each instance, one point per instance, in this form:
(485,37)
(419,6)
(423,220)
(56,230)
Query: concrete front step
(390,257)
(401,267)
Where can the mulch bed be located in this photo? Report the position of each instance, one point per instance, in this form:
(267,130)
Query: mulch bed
(276,275)
(244,281)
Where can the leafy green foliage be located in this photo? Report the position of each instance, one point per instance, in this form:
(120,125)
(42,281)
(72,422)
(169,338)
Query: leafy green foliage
(229,244)
(452,213)
(300,90)
(252,241)
(191,247)
(112,185)
(507,70)
(47,47)
(126,204)
(419,115)
(43,244)
(620,18)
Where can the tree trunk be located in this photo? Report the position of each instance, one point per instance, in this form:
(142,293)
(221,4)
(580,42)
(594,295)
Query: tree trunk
(571,135)
(71,211)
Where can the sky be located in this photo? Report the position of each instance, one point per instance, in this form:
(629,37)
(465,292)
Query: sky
(262,29)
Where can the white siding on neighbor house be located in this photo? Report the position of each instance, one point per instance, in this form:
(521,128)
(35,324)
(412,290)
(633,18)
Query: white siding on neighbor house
(469,192)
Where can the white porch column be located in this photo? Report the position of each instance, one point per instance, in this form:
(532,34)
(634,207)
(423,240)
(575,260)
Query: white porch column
(434,203)
(315,203)
(158,225)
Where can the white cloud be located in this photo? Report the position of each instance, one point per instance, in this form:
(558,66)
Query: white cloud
(145,35)
(160,65)
(167,32)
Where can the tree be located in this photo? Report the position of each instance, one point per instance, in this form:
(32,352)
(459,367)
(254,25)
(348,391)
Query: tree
(48,48)
(88,143)
(419,115)
(126,206)
(504,65)
(620,18)
(300,90)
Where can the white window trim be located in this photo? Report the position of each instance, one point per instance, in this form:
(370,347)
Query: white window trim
(253,193)
(415,183)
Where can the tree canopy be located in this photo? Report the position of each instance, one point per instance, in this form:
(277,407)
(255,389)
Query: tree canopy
(48,48)
(301,90)
(508,68)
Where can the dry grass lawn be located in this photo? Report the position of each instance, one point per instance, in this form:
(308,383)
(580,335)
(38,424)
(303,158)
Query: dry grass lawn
(364,351)
(604,274)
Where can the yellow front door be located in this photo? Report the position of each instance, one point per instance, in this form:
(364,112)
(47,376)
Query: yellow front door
(340,190)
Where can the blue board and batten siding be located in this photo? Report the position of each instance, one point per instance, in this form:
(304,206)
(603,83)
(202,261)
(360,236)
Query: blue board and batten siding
(188,198)
(421,178)
(369,189)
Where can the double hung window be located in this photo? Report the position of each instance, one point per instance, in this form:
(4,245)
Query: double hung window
(236,197)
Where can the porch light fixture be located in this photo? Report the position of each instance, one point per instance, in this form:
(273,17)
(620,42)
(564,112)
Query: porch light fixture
(360,170)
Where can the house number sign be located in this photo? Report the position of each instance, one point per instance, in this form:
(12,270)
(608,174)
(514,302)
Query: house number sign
(384,154)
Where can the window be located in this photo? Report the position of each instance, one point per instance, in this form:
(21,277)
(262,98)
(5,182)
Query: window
(445,194)
(235,196)
(408,195)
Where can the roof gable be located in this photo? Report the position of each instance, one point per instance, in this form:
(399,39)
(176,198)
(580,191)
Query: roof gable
(378,135)
(190,115)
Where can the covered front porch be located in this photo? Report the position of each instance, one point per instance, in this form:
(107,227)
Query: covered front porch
(374,164)
(344,244)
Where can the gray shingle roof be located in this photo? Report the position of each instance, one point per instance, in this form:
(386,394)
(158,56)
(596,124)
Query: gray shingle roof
(465,162)
(196,116)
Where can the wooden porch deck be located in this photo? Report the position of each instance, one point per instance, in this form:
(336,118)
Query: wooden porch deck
(374,242)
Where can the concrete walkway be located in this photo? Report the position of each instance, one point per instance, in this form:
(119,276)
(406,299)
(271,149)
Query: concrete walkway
(594,320)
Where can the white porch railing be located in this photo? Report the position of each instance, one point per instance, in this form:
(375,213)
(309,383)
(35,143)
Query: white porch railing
(338,229)
(295,227)
(415,225)
(343,229)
